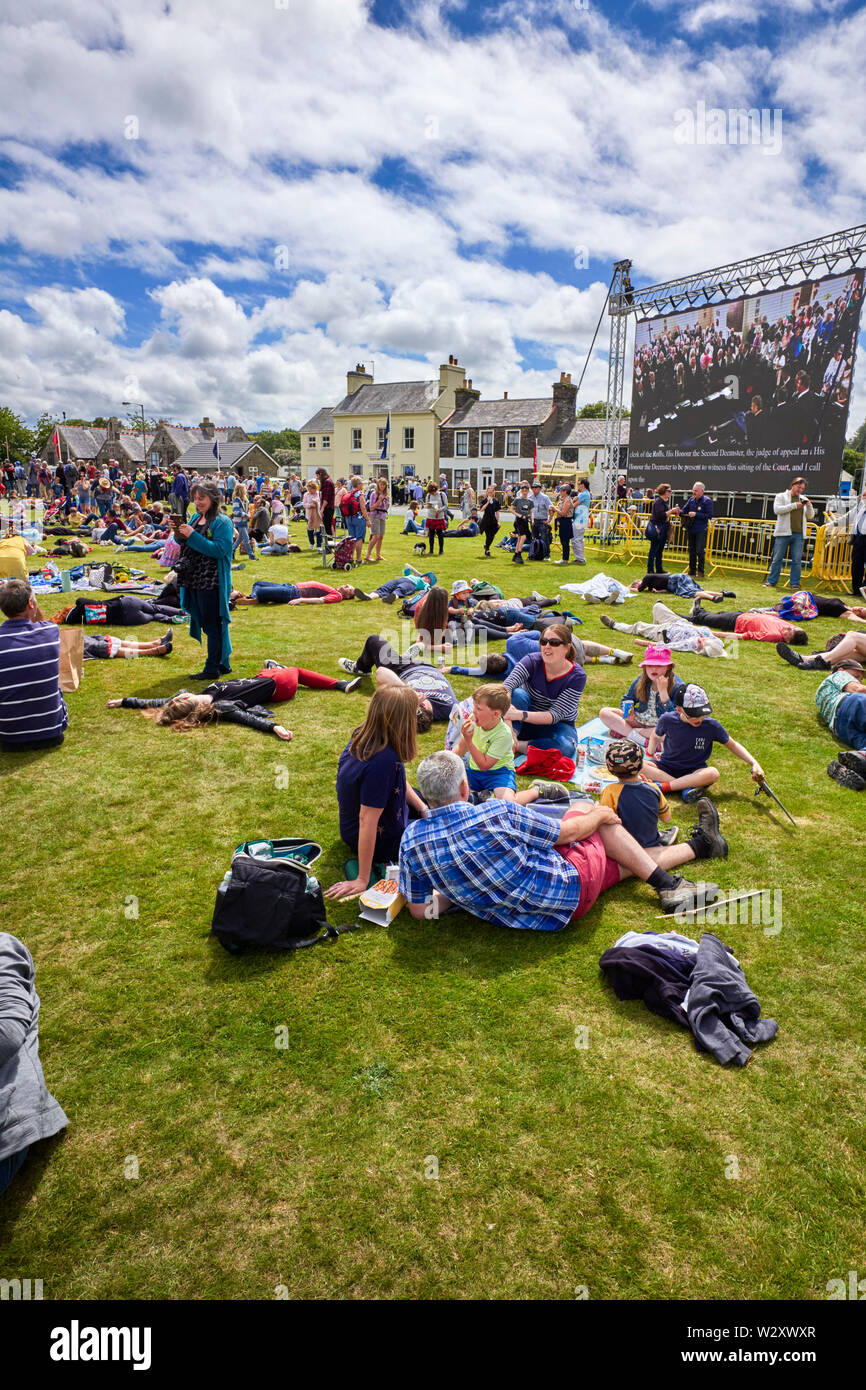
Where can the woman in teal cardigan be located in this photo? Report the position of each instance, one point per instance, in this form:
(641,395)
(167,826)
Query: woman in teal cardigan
(205,577)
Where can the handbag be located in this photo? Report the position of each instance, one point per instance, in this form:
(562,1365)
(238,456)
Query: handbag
(652,531)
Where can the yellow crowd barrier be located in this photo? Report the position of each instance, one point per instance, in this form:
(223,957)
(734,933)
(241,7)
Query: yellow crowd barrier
(833,558)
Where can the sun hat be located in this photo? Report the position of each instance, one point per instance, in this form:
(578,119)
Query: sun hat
(657,656)
(459,587)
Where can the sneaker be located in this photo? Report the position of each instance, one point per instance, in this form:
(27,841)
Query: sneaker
(539,598)
(591,598)
(560,562)
(517,559)
(692,794)
(668,837)
(622,658)
(711,843)
(846,777)
(348,686)
(688,897)
(728,593)
(414,650)
(607,620)
(346,663)
(788,654)
(815,663)
(272,665)
(386,598)
(551,791)
(767,585)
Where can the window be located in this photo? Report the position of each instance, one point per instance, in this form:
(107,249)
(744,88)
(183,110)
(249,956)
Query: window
(461,447)
(326,441)
(512,475)
(356,439)
(486,444)
(461,476)
(381,438)
(409,437)
(154,458)
(512,443)
(311,442)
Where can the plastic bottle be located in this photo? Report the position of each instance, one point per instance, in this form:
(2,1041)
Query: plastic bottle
(227,878)
(312,885)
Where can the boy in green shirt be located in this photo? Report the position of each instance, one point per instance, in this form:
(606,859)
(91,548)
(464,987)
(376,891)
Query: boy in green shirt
(486,745)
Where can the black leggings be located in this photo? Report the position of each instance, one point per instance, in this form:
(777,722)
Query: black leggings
(489,534)
(379,652)
(566,531)
(829,607)
(432,536)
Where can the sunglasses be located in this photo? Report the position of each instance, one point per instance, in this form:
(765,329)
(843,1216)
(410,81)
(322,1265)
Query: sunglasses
(550,642)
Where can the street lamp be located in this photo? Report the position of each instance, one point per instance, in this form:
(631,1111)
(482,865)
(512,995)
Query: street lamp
(143,436)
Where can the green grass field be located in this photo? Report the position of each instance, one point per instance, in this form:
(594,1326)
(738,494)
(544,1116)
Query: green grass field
(429,1046)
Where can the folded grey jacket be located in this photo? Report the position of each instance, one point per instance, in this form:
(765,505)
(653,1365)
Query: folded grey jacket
(724,1015)
(28,1111)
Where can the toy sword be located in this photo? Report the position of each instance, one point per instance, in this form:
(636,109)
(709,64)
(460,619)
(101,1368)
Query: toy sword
(763,787)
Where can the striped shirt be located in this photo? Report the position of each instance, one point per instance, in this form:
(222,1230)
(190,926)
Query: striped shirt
(561,696)
(31,706)
(495,860)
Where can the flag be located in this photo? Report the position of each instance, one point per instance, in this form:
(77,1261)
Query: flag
(386,441)
(216,451)
(535,460)
(55,440)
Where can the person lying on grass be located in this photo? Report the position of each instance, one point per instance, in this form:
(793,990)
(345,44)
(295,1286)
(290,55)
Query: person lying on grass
(512,865)
(669,629)
(841,702)
(650,695)
(435,692)
(373,797)
(103,647)
(686,738)
(307,591)
(751,626)
(843,646)
(239,701)
(681,585)
(486,745)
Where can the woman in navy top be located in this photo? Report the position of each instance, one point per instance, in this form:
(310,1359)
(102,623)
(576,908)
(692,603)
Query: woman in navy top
(545,693)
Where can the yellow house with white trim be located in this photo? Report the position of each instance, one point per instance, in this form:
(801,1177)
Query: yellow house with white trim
(349,437)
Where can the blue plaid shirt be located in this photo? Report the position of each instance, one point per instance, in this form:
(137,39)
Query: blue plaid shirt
(495,860)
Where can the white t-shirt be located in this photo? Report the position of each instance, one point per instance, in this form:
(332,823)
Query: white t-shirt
(279,534)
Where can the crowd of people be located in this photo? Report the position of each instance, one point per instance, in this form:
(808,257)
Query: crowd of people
(464,836)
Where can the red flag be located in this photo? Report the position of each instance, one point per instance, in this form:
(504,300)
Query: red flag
(55,440)
(535,460)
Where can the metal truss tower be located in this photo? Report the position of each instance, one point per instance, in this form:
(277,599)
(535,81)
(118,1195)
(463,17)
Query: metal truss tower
(619,307)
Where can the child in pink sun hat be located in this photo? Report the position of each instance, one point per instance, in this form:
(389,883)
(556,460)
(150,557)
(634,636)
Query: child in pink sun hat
(649,696)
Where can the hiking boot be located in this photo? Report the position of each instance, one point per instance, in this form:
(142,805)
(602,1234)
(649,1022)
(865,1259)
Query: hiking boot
(692,794)
(346,663)
(854,760)
(591,598)
(348,686)
(607,620)
(386,598)
(550,791)
(846,777)
(788,654)
(668,837)
(688,897)
(814,663)
(706,838)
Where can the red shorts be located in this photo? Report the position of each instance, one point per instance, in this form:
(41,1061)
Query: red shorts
(597,872)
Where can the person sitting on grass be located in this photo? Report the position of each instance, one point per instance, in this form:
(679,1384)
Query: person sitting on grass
(307,591)
(413,526)
(640,804)
(841,702)
(650,694)
(514,866)
(686,738)
(486,745)
(459,619)
(843,646)
(670,629)
(681,585)
(467,527)
(33,713)
(239,701)
(750,626)
(373,796)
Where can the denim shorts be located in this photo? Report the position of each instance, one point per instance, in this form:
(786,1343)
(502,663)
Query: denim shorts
(357,527)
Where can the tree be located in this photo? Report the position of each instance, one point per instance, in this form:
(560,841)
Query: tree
(14,435)
(45,426)
(852,462)
(279,439)
(858,439)
(133,422)
(596,410)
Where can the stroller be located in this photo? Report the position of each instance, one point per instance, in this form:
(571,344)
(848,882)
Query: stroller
(342,553)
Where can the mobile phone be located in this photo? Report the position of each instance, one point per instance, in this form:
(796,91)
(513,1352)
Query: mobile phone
(176,519)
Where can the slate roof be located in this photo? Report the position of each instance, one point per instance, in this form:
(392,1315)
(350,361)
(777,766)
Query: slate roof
(400,397)
(490,414)
(200,454)
(84,442)
(584,434)
(320,423)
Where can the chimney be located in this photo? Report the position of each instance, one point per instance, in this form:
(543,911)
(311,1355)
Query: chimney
(464,395)
(206,428)
(113,429)
(564,401)
(451,375)
(505,395)
(358,378)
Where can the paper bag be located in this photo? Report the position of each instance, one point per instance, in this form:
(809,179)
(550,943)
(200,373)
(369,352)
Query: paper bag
(71,658)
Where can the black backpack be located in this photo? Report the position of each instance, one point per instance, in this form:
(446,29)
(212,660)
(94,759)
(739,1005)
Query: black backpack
(266,904)
(536,549)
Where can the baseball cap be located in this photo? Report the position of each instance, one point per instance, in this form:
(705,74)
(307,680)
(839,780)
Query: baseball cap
(535,483)
(623,755)
(657,656)
(694,701)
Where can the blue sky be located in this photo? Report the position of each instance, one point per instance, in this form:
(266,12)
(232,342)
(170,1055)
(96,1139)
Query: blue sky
(219,210)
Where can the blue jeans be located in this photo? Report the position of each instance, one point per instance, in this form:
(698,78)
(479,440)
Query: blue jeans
(357,527)
(266,591)
(275,550)
(850,723)
(243,539)
(525,616)
(655,559)
(562,735)
(781,546)
(9,1167)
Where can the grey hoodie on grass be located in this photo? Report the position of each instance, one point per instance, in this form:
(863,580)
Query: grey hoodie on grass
(28,1112)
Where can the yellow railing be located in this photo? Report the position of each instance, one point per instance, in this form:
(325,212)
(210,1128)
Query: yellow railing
(833,558)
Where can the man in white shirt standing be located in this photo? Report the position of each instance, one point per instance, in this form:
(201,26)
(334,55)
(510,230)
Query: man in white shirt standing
(858,545)
(792,508)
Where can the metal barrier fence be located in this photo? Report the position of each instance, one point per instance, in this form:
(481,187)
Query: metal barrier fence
(835,558)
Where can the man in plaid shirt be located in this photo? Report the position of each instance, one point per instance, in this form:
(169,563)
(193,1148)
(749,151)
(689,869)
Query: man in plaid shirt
(509,864)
